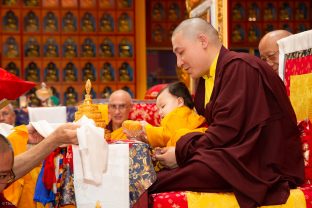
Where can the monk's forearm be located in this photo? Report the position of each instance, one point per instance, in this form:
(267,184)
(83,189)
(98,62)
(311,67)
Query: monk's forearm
(28,160)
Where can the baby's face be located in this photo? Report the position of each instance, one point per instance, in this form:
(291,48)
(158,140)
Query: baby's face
(167,102)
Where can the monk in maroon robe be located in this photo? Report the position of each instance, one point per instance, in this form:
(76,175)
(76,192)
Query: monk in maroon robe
(252,145)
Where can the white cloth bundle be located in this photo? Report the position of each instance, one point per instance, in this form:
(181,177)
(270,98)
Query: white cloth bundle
(55,114)
(92,152)
(6,129)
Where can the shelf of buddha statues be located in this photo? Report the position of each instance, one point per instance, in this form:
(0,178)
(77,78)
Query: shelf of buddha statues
(250,20)
(64,43)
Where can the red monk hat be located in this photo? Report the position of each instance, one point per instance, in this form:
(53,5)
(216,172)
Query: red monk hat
(11,86)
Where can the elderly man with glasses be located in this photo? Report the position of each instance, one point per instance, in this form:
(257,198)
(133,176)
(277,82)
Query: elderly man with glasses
(268,47)
(119,107)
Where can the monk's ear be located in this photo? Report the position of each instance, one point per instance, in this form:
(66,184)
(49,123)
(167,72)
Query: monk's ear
(203,39)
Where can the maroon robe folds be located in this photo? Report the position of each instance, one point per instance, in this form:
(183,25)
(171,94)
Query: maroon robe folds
(252,145)
(5,203)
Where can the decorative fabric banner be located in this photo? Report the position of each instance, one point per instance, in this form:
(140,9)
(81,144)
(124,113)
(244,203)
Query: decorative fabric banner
(300,43)
(301,95)
(297,66)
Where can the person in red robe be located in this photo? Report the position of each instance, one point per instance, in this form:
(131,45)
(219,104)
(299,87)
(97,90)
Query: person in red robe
(252,146)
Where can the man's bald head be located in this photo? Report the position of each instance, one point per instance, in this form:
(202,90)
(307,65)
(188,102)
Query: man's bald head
(268,47)
(196,44)
(120,95)
(194,26)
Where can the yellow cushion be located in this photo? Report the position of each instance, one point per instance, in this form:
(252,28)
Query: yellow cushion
(228,200)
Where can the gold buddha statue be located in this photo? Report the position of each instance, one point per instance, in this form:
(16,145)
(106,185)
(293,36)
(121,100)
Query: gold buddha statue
(106,73)
(88,48)
(88,23)
(32,48)
(106,23)
(125,48)
(88,72)
(31,22)
(70,73)
(10,21)
(124,23)
(70,48)
(124,75)
(50,22)
(69,22)
(51,49)
(32,72)
(70,96)
(12,48)
(106,48)
(12,68)
(51,73)
(89,109)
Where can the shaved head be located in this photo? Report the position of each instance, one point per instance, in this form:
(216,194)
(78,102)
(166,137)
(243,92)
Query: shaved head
(196,44)
(120,95)
(194,26)
(268,47)
(272,37)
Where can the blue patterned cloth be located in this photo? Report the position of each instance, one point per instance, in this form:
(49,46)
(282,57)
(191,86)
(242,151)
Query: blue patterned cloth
(141,171)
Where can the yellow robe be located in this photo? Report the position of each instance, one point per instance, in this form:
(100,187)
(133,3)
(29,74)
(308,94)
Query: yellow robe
(21,192)
(118,135)
(180,121)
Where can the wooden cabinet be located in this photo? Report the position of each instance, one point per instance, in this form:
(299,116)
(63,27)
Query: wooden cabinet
(65,42)
(249,20)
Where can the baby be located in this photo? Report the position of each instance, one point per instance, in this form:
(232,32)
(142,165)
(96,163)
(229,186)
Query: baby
(175,106)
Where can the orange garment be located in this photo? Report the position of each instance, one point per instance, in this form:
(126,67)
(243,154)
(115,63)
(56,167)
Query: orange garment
(180,121)
(118,135)
(21,192)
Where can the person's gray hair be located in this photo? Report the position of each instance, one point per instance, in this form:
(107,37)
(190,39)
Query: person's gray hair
(193,26)
(11,107)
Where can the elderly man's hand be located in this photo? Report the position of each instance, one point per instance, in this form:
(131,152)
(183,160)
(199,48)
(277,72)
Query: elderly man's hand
(65,134)
(166,157)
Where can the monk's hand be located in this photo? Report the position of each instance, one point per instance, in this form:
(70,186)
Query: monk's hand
(33,136)
(167,157)
(65,134)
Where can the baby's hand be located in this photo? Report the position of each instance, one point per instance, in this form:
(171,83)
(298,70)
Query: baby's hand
(156,151)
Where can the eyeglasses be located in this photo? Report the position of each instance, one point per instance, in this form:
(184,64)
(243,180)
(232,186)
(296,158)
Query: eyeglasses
(7,177)
(269,57)
(121,107)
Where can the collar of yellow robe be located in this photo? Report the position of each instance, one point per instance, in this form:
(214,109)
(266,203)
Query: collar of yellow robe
(209,79)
